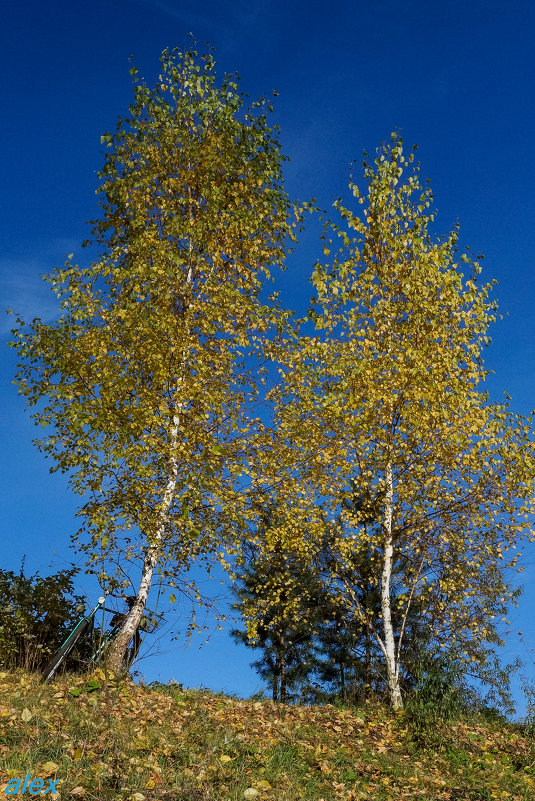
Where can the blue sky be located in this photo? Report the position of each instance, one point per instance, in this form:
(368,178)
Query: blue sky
(456,78)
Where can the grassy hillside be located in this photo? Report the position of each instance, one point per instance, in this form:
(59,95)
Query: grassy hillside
(104,740)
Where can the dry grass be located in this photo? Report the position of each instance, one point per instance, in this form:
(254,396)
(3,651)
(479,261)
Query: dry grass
(111,740)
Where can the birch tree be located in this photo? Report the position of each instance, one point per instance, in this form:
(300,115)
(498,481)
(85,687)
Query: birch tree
(145,381)
(386,401)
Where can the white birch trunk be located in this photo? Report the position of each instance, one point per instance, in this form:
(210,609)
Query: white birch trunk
(128,629)
(120,644)
(392,664)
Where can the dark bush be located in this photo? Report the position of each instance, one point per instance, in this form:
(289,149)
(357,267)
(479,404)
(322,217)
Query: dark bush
(36,615)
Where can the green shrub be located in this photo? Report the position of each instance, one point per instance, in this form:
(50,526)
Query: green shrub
(36,615)
(439,695)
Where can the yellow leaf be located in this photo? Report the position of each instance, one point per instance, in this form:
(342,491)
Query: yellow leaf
(26,715)
(48,768)
(225,758)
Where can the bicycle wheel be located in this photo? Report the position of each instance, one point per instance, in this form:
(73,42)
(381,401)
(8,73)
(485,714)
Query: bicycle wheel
(65,649)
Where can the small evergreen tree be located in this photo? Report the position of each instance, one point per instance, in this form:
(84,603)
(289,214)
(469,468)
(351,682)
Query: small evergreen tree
(280,599)
(313,648)
(286,644)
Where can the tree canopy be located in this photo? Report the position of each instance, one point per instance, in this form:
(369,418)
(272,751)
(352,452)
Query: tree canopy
(404,491)
(386,403)
(145,382)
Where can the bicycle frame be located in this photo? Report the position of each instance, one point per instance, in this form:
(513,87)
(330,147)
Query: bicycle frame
(105,640)
(66,647)
(90,617)
(83,625)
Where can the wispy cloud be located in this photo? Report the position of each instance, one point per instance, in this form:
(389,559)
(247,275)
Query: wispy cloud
(23,290)
(179,10)
(227,16)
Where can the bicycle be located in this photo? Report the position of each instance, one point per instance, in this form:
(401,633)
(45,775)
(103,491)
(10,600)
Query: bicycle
(84,625)
(116,622)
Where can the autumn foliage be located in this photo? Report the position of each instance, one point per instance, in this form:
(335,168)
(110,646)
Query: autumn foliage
(392,450)
(182,401)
